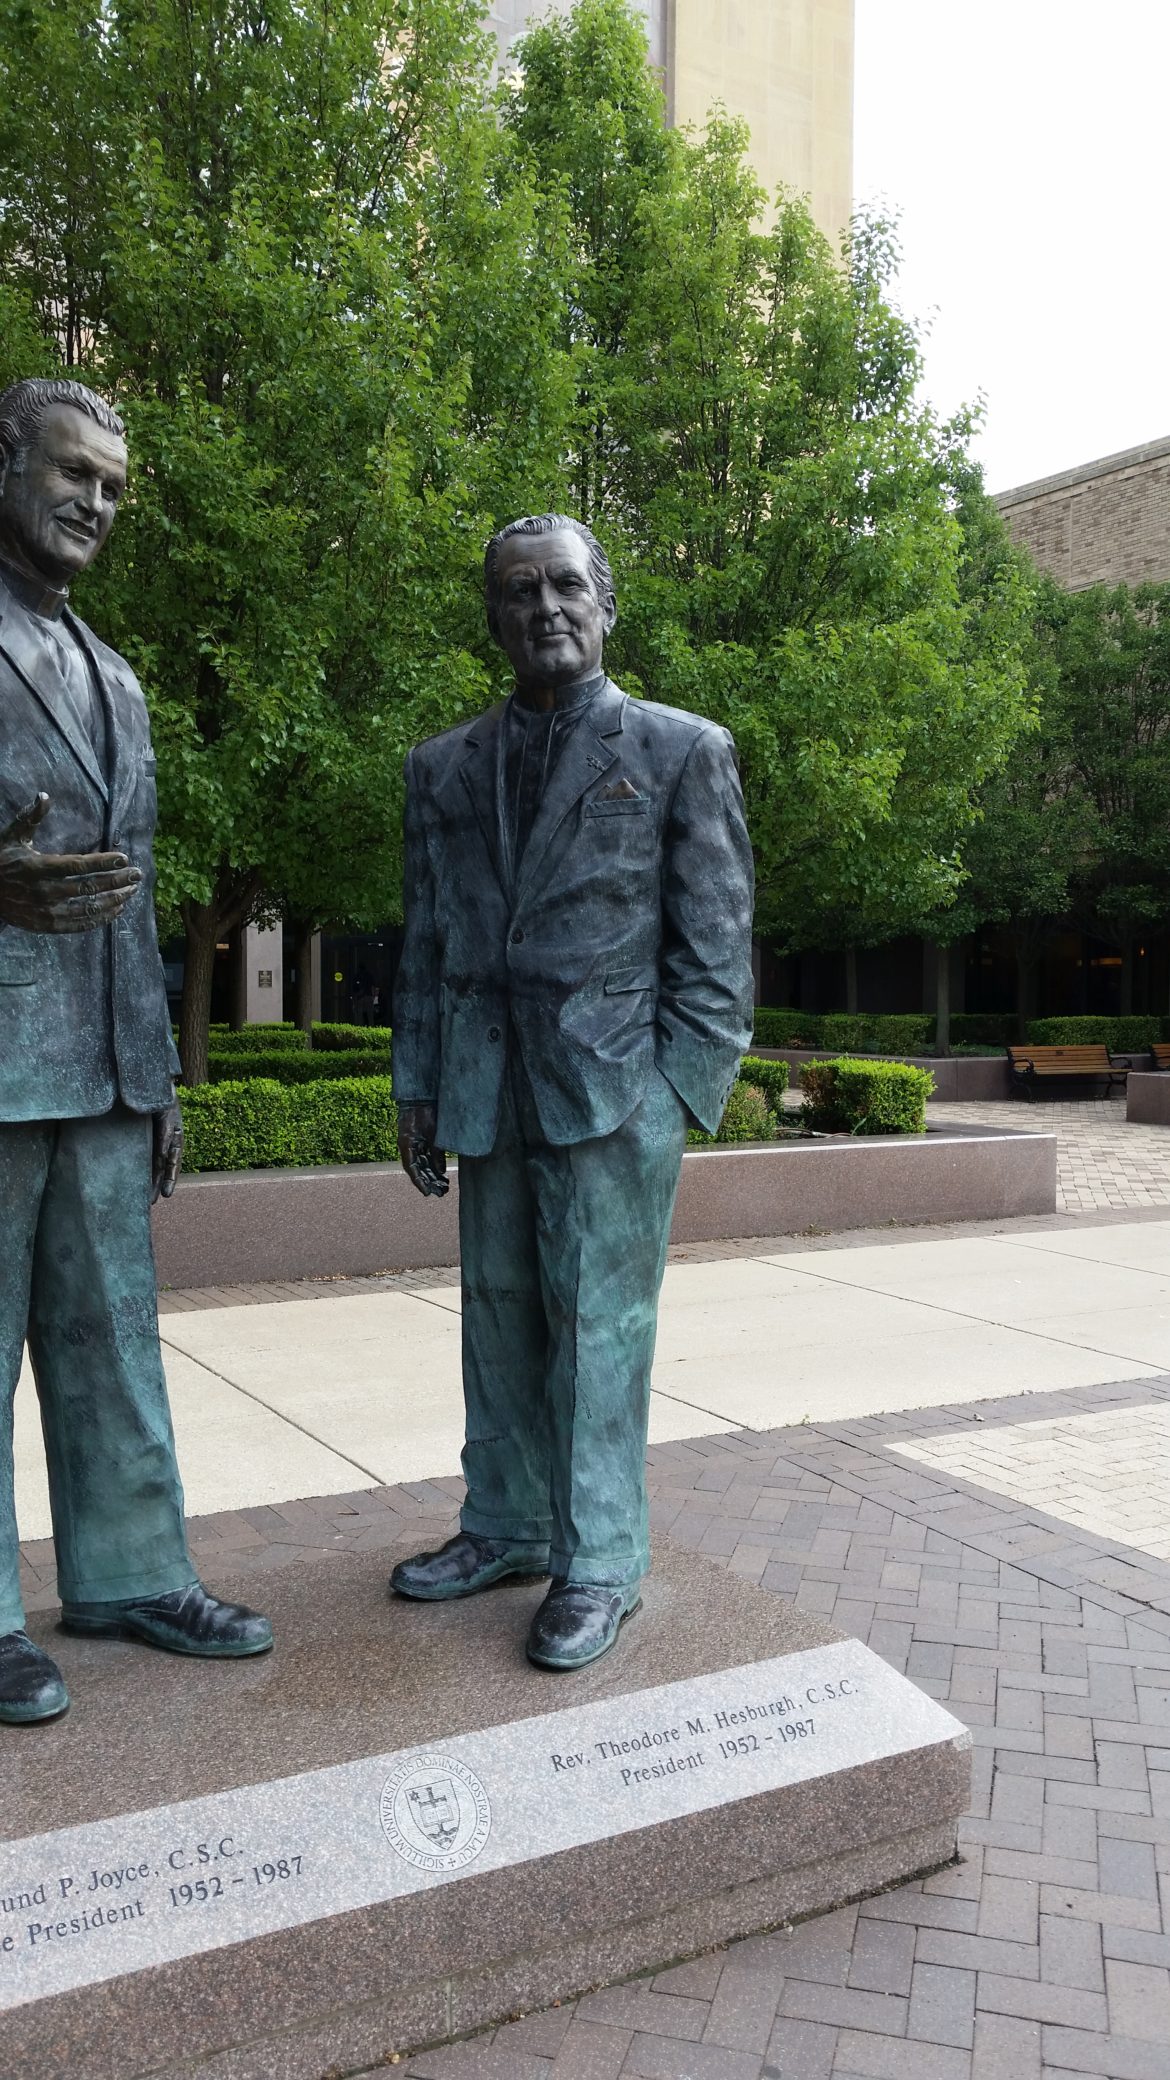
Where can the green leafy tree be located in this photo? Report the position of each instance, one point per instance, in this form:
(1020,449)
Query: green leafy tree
(290,242)
(788,519)
(1111,706)
(1078,824)
(1031,834)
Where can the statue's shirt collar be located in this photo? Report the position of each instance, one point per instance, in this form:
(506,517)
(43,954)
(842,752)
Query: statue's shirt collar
(49,601)
(567,697)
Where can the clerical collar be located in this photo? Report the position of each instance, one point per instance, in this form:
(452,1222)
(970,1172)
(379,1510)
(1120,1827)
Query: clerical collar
(574,696)
(49,601)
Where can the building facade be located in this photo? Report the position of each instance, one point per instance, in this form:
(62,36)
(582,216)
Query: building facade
(786,66)
(1105,523)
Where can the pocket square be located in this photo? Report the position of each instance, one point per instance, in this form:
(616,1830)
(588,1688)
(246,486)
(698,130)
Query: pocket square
(618,791)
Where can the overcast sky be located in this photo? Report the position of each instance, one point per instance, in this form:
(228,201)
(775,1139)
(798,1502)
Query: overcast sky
(1026,144)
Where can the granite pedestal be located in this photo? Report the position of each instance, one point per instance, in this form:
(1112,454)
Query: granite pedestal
(393,1831)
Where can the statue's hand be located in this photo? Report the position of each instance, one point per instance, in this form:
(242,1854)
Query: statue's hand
(424,1164)
(59,891)
(168,1151)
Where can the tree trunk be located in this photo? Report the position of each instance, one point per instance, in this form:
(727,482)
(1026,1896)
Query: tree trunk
(233,897)
(1027,977)
(303,936)
(239,979)
(851,978)
(942,1017)
(1127,968)
(201,923)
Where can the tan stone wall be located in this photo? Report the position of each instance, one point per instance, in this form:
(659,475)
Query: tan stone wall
(787,65)
(1106,523)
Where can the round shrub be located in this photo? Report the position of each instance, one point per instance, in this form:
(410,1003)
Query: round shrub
(852,1097)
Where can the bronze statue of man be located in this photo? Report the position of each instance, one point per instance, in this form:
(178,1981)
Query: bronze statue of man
(89,1127)
(575,990)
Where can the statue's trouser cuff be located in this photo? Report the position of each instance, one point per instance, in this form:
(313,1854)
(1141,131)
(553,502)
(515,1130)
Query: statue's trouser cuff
(77,1278)
(563,1251)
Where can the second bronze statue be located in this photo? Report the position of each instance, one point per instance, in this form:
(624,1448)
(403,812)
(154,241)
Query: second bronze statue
(89,1127)
(575,990)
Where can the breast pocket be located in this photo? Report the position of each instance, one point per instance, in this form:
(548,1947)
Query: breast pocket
(623,806)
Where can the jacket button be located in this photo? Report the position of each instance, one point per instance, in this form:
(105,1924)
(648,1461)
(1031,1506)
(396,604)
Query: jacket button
(518,936)
(493,1032)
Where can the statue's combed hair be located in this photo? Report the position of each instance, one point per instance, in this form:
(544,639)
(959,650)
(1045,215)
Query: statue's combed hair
(546,523)
(24,404)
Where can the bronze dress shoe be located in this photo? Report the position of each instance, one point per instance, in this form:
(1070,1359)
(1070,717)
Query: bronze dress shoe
(31,1686)
(187,1621)
(466,1564)
(578,1622)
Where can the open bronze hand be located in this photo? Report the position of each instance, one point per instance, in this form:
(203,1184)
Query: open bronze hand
(59,891)
(424,1163)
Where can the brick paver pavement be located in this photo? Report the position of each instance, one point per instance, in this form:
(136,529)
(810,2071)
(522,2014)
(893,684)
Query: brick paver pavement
(1108,1471)
(1045,1954)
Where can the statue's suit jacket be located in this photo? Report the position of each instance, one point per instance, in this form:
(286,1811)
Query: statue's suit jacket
(625,940)
(83,1015)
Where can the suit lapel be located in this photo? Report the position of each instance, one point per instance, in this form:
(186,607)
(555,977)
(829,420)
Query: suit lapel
(34,664)
(478,774)
(584,758)
(121,736)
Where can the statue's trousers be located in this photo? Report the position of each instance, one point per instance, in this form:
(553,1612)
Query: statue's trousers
(77,1278)
(563,1251)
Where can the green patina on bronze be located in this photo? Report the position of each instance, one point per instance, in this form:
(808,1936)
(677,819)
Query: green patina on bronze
(575,988)
(89,1127)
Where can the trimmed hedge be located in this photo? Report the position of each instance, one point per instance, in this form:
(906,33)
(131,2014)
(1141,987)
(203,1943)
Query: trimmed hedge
(336,1038)
(267,1039)
(753,1108)
(880,1032)
(260,1124)
(1123,1035)
(274,1039)
(851,1097)
(770,1077)
(286,1065)
(747,1116)
(775,1027)
(257,1122)
(984,1028)
(883,1032)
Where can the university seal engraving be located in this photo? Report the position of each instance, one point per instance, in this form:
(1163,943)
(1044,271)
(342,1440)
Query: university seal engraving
(435,1813)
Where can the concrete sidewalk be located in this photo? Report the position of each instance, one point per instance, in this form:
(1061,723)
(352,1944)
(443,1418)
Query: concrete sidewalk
(312,1390)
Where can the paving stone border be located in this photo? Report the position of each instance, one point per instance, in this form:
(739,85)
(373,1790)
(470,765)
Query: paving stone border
(1046,1953)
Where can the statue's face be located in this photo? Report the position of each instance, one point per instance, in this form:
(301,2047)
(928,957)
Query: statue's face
(551,622)
(56,511)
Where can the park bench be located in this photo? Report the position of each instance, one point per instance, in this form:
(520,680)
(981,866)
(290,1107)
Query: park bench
(1161,1053)
(1033,1066)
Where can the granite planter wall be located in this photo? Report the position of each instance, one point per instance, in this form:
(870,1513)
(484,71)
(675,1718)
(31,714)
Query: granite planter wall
(1147,1098)
(257,1225)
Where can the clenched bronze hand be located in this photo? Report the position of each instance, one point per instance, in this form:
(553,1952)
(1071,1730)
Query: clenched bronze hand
(423,1162)
(59,891)
(167,1158)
